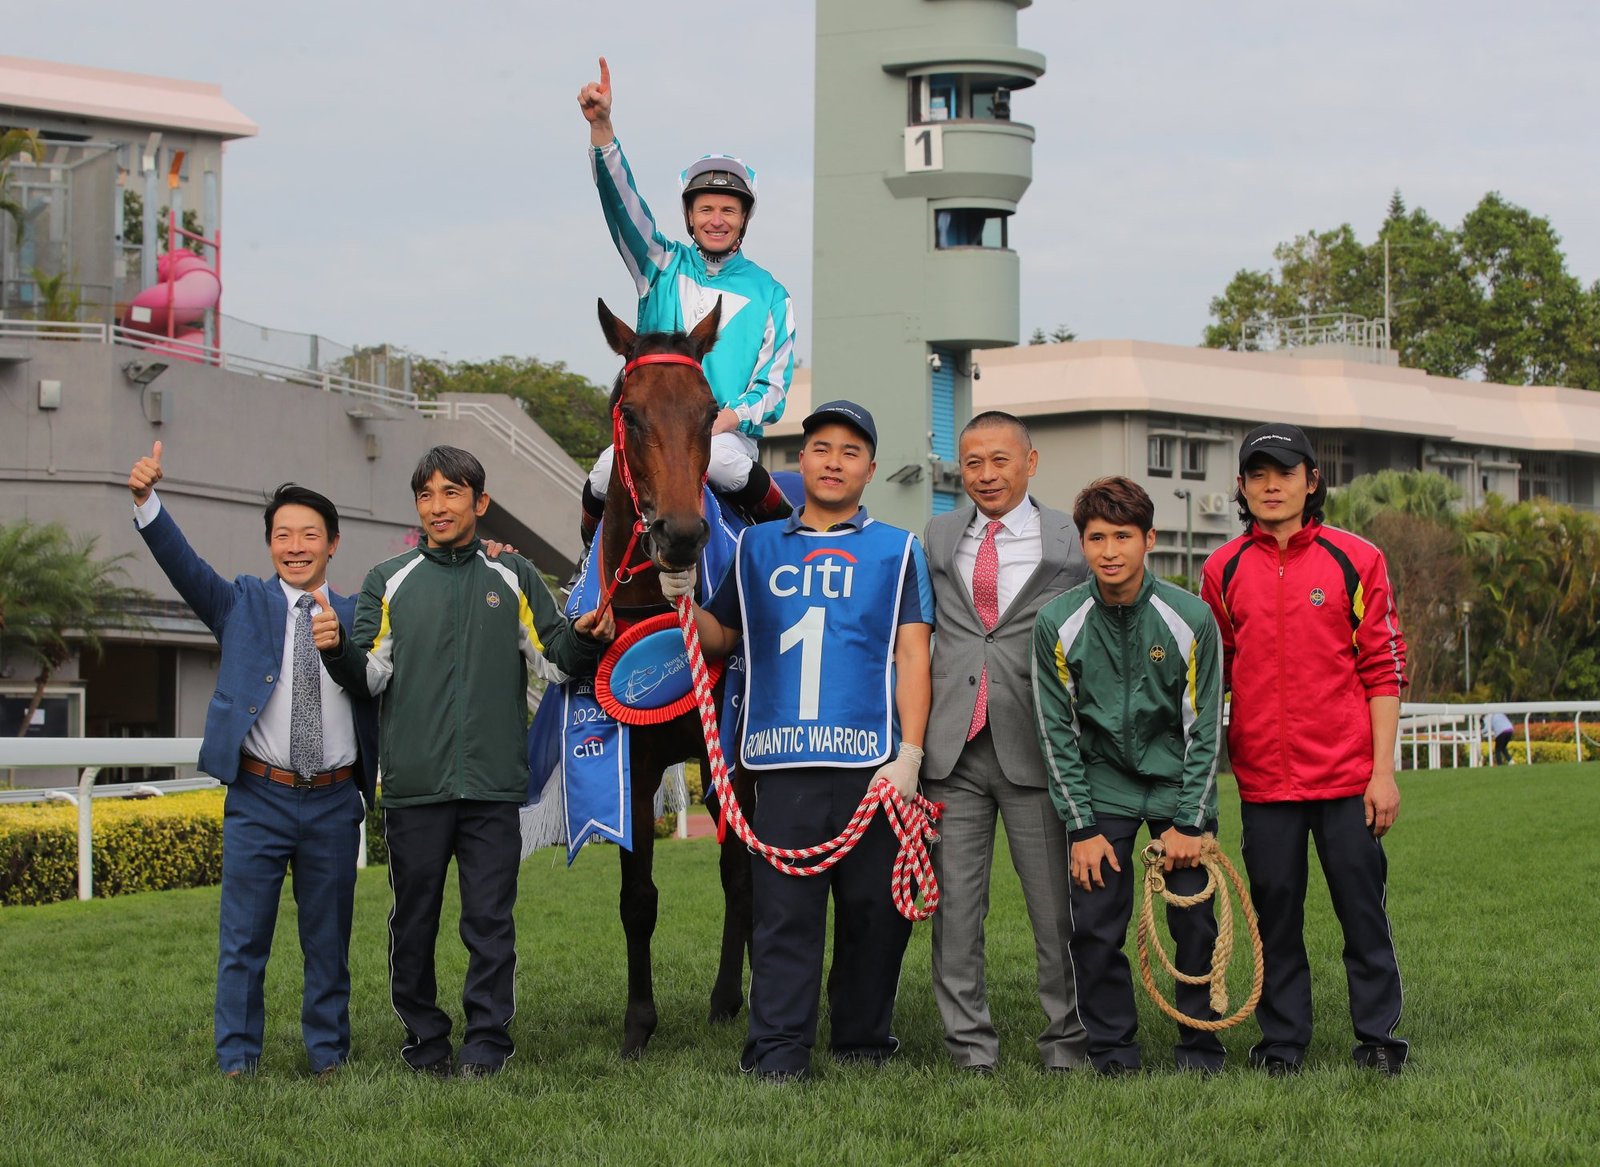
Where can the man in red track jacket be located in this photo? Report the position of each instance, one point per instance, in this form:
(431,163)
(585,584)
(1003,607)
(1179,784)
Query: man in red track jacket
(1315,662)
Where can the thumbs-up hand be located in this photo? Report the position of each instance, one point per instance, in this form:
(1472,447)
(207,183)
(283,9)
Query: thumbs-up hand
(145,474)
(594,99)
(325,630)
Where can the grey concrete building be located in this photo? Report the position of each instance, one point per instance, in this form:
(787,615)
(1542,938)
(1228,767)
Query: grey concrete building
(1171,418)
(82,397)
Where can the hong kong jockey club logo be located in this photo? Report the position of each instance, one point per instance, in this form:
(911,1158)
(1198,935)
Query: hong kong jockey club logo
(589,747)
(1318,597)
(1157,653)
(492,599)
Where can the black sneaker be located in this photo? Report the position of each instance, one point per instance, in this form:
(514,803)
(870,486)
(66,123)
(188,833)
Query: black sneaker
(439,1069)
(477,1070)
(1274,1066)
(1383,1061)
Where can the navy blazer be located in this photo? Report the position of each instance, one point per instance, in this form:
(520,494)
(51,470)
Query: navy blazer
(247,617)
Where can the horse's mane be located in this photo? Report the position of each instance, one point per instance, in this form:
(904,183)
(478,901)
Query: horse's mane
(647,343)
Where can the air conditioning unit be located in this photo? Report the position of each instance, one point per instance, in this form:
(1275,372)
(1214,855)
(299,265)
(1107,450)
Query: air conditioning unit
(1213,504)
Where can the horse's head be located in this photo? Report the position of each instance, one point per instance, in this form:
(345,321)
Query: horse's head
(662,412)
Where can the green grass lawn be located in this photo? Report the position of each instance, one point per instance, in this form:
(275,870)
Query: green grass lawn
(106,1052)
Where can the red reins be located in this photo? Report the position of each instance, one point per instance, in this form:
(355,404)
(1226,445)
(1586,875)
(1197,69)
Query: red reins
(624,572)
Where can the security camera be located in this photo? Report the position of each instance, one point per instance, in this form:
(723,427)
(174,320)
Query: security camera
(934,362)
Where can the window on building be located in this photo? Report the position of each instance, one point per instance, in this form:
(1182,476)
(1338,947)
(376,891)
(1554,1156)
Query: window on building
(1543,476)
(971,227)
(1194,458)
(1336,460)
(942,97)
(1161,455)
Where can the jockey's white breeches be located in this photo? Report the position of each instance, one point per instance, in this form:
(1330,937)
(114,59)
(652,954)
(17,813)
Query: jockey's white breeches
(729,469)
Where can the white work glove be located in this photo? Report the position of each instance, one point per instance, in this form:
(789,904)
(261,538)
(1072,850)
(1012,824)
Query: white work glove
(901,773)
(679,583)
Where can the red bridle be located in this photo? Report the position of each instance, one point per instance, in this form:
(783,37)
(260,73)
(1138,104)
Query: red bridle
(624,572)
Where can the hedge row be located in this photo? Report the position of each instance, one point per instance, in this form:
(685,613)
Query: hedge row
(153,844)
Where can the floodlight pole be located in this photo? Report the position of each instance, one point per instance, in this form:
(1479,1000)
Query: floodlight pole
(1187,495)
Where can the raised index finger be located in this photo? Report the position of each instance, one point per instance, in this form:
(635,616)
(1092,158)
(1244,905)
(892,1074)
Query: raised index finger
(605,76)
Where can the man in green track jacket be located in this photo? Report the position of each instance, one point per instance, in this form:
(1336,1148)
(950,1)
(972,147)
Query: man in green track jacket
(1127,683)
(449,637)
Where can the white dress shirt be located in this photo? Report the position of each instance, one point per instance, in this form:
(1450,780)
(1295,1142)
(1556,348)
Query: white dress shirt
(268,739)
(1018,545)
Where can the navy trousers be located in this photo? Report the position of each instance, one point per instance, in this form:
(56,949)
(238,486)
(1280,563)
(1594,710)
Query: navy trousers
(1105,981)
(800,808)
(267,830)
(486,840)
(1275,836)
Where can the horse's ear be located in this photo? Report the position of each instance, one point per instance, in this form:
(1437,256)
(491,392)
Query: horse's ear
(705,333)
(618,335)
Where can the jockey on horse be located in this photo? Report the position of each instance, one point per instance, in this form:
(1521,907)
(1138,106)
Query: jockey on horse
(678,286)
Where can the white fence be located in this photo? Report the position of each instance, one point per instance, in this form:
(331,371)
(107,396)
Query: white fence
(1429,733)
(92,754)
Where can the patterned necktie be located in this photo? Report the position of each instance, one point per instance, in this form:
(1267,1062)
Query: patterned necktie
(305,710)
(986,599)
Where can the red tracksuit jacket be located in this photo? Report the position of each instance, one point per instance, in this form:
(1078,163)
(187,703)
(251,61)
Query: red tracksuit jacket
(1309,636)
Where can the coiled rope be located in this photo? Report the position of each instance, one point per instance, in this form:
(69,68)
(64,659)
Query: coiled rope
(1217,866)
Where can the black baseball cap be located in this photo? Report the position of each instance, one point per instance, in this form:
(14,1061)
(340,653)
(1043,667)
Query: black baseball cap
(848,412)
(1284,443)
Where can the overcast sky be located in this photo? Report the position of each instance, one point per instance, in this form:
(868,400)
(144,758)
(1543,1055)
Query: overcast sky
(420,178)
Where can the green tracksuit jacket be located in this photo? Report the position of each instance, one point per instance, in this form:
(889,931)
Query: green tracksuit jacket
(1128,700)
(447,636)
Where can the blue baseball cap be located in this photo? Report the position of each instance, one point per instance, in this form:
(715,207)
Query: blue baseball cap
(848,412)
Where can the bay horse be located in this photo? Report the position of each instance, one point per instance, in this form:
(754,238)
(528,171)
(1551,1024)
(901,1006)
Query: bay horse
(662,411)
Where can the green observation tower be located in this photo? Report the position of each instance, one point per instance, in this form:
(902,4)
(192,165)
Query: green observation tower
(919,168)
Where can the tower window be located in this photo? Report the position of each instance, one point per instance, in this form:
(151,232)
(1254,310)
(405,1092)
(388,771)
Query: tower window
(970,227)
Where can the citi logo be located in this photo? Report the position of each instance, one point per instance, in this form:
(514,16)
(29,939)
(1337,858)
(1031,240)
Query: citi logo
(829,579)
(589,747)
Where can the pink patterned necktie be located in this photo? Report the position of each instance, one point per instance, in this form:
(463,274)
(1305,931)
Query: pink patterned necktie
(986,599)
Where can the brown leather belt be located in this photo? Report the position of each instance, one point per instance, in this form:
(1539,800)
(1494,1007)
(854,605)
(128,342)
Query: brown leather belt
(289,778)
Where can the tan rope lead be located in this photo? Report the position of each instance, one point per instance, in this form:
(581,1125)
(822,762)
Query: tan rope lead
(1216,865)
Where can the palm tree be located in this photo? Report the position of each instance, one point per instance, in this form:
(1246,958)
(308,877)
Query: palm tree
(16,146)
(58,599)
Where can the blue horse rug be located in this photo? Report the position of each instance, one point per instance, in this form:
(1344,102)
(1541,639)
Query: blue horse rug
(578,785)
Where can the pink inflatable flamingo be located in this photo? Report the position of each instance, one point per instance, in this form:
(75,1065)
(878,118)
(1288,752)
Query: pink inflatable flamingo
(187,287)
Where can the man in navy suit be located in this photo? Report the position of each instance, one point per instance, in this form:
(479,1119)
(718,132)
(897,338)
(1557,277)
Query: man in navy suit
(296,753)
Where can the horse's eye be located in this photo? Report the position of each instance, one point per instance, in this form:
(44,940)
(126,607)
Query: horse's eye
(628,418)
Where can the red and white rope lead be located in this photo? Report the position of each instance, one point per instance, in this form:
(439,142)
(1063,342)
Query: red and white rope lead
(913,823)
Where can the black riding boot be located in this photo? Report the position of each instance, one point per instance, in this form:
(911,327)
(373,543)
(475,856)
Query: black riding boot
(759,499)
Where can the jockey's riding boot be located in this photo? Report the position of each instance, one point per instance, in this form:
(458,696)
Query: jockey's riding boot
(759,499)
(594,509)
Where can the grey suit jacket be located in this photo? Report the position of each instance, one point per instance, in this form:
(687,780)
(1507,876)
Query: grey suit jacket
(961,648)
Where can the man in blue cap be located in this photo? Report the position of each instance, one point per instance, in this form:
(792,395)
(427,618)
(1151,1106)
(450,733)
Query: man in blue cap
(836,612)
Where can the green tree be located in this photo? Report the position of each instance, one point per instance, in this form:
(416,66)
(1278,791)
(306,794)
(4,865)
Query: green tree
(1412,515)
(133,226)
(1537,565)
(1060,334)
(16,145)
(567,406)
(1419,493)
(57,598)
(1491,298)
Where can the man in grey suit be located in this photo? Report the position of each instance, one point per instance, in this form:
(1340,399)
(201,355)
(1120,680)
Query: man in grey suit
(994,565)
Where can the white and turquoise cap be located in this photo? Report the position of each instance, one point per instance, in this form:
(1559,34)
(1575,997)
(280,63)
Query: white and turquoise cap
(719,172)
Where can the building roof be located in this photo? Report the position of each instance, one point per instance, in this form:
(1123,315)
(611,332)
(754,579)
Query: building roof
(1122,375)
(106,95)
